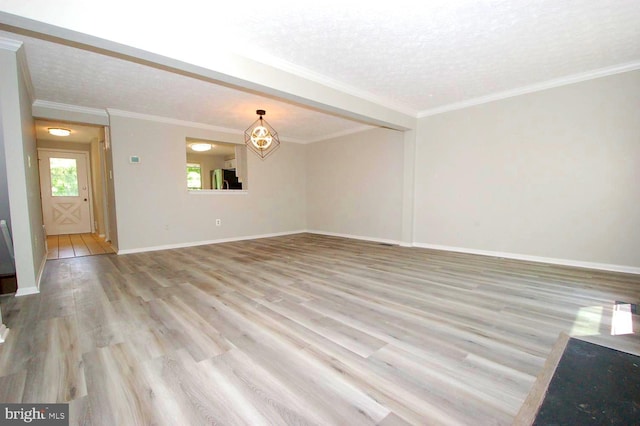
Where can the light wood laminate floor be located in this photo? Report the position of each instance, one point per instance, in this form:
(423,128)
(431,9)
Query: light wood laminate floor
(302,329)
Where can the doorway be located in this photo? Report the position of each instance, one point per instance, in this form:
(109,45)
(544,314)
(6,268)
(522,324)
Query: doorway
(76,188)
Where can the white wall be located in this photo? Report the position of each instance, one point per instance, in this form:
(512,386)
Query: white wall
(154,208)
(552,174)
(18,133)
(354,185)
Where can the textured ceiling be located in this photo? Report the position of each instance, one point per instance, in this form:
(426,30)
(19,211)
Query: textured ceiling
(439,53)
(73,76)
(415,56)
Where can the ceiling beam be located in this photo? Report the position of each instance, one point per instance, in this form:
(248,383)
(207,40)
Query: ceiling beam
(226,68)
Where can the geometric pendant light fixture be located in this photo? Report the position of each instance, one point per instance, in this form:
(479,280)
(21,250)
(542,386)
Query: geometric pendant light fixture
(260,137)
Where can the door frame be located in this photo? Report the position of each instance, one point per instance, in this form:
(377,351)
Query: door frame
(87,155)
(106,212)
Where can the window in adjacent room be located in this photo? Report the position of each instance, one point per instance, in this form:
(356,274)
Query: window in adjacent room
(194,176)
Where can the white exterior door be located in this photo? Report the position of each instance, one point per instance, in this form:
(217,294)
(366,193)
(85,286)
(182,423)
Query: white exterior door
(64,186)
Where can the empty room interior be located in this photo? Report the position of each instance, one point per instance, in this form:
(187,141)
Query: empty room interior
(274,213)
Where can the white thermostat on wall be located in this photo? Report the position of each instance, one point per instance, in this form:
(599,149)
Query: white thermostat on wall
(134,159)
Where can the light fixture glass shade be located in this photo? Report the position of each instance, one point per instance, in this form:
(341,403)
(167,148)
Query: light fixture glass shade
(261,138)
(58,131)
(200,147)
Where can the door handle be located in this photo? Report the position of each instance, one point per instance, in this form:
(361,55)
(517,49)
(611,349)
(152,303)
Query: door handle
(85,199)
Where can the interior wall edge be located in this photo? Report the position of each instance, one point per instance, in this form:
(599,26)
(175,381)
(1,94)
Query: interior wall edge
(43,262)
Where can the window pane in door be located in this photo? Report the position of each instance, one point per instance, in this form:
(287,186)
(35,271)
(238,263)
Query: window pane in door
(64,177)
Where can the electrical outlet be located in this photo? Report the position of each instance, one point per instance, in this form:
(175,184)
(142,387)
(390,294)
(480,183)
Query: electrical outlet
(218,222)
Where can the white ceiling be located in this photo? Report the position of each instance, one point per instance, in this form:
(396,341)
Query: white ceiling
(413,56)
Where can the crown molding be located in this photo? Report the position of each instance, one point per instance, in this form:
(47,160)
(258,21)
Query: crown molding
(185,123)
(291,140)
(39,103)
(550,84)
(9,44)
(167,120)
(16,46)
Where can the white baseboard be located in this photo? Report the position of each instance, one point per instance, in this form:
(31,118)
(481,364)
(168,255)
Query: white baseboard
(538,259)
(26,291)
(203,243)
(515,256)
(36,289)
(358,237)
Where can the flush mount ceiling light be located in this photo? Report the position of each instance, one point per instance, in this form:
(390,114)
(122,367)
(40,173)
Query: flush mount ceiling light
(260,137)
(200,147)
(58,131)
